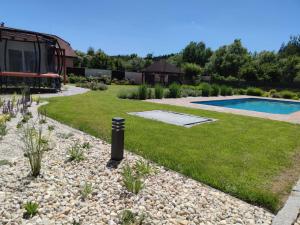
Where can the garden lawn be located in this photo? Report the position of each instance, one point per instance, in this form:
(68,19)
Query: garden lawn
(254,159)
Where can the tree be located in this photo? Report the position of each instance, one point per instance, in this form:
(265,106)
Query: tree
(196,53)
(192,71)
(227,60)
(91,51)
(100,60)
(292,48)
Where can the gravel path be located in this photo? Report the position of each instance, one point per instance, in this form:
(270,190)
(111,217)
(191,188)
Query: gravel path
(167,198)
(67,90)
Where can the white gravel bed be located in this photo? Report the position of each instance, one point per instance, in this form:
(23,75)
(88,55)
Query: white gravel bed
(167,198)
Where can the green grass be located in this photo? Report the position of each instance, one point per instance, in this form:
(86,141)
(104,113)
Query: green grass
(240,155)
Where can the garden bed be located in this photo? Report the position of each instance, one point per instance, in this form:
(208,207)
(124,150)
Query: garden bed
(167,197)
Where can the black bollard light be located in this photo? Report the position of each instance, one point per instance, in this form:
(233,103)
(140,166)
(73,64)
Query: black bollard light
(117,139)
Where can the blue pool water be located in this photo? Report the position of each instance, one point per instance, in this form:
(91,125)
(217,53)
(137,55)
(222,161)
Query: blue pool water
(255,104)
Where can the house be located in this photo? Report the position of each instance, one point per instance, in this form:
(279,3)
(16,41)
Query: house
(162,72)
(37,59)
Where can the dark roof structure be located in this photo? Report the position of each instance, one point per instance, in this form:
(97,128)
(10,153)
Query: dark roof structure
(26,35)
(163,67)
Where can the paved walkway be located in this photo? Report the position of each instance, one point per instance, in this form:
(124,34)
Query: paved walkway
(187,102)
(67,90)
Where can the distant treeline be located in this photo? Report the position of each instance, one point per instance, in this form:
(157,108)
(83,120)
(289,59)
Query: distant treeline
(229,63)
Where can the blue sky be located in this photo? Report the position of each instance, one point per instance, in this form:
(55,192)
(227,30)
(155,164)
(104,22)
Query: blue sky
(157,26)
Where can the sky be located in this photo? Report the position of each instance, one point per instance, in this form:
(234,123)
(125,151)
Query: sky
(157,26)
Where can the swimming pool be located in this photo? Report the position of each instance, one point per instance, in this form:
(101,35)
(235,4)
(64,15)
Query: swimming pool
(256,104)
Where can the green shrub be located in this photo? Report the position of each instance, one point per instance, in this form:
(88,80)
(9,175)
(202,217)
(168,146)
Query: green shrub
(223,90)
(3,130)
(255,91)
(31,209)
(288,94)
(86,190)
(229,91)
(143,168)
(142,92)
(4,162)
(131,181)
(51,127)
(76,79)
(76,153)
(206,89)
(215,90)
(175,91)
(34,146)
(86,145)
(150,93)
(130,218)
(128,94)
(158,91)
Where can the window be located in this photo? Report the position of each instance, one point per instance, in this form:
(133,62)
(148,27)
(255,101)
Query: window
(15,60)
(29,60)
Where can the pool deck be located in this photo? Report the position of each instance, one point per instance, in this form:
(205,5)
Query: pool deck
(187,102)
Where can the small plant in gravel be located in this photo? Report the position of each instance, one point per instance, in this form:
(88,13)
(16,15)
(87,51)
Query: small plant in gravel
(31,209)
(130,218)
(143,168)
(86,190)
(86,145)
(36,99)
(34,147)
(42,114)
(4,162)
(3,130)
(51,128)
(76,153)
(132,181)
(26,117)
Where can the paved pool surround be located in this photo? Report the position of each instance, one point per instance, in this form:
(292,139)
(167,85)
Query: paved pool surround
(188,102)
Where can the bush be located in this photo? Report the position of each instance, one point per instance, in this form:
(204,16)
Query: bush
(86,190)
(130,218)
(206,89)
(255,91)
(34,147)
(3,130)
(175,91)
(288,95)
(128,94)
(226,90)
(131,181)
(142,92)
(158,91)
(76,79)
(143,168)
(215,90)
(76,153)
(150,93)
(95,86)
(229,91)
(31,209)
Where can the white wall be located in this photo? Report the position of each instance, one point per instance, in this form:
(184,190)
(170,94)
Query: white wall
(97,72)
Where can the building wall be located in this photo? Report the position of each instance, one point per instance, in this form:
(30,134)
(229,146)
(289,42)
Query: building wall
(69,62)
(97,72)
(1,55)
(136,77)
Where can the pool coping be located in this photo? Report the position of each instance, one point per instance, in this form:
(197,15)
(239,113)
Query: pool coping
(188,102)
